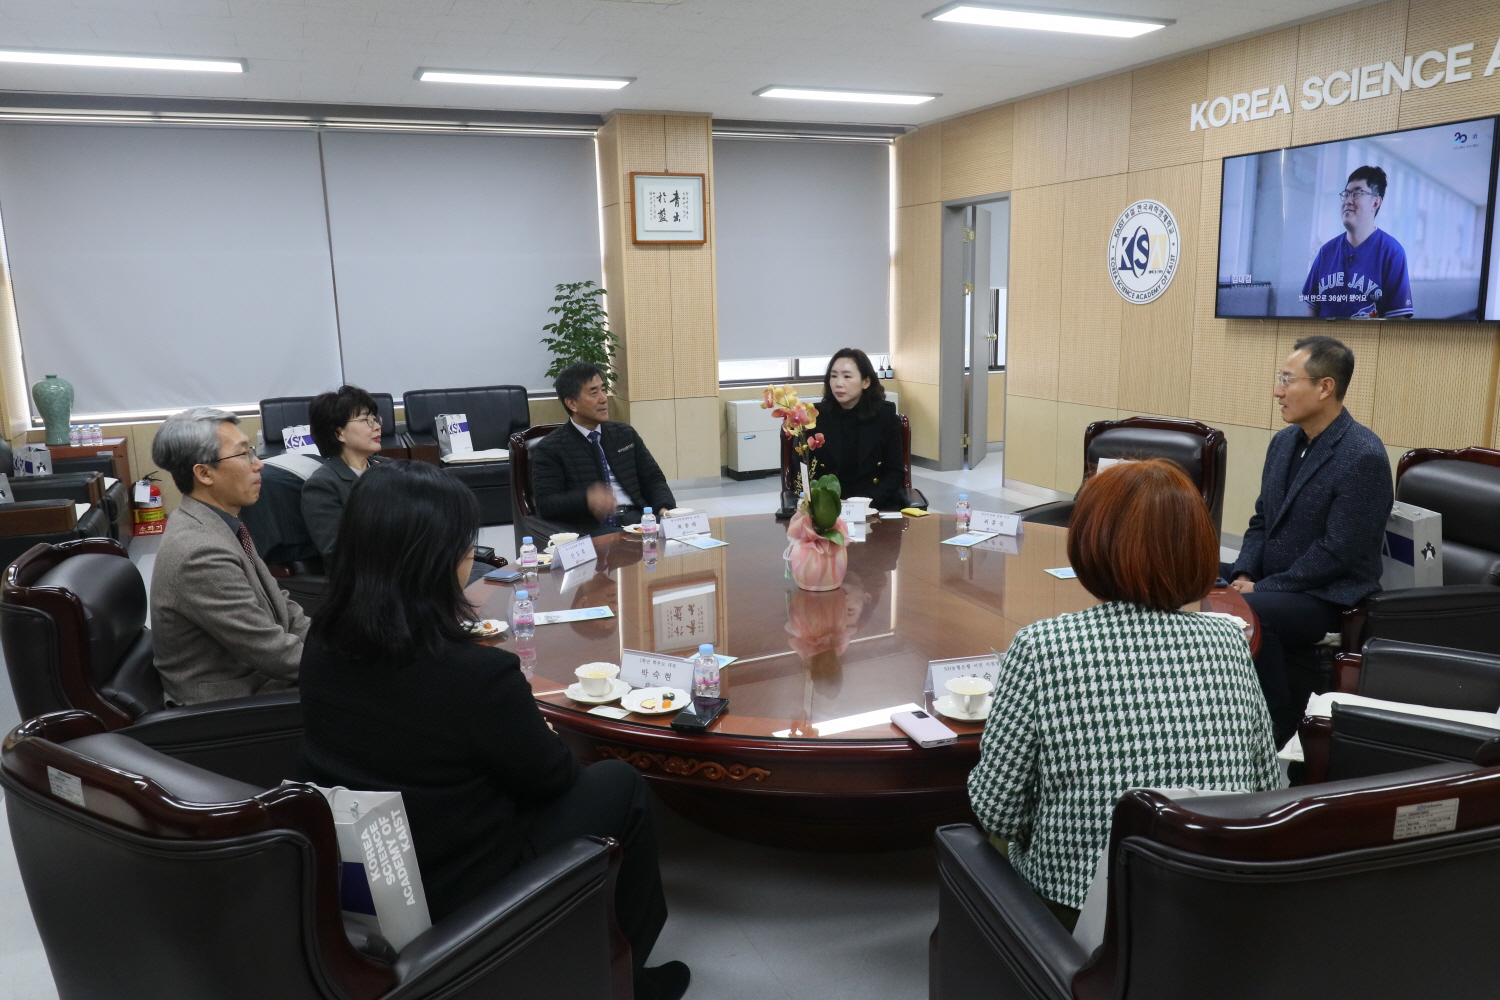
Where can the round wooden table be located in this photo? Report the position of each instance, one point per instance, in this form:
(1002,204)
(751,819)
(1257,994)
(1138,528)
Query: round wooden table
(782,765)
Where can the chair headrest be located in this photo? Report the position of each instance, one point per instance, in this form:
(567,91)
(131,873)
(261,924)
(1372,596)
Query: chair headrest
(1182,447)
(1436,676)
(180,779)
(114,602)
(1467,494)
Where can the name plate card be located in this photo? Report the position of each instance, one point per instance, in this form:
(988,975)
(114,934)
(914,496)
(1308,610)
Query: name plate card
(1000,524)
(575,553)
(572,615)
(655,670)
(680,525)
(940,672)
(853,512)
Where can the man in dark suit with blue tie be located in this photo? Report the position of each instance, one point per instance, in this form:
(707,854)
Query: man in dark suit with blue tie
(593,474)
(1313,547)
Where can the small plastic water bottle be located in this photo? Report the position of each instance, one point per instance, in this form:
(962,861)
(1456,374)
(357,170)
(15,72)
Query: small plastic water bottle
(522,615)
(528,554)
(706,672)
(526,651)
(648,522)
(96,438)
(963,512)
(75,435)
(649,552)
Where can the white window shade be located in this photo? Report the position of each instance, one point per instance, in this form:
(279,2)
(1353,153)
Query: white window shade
(802,240)
(159,267)
(447,250)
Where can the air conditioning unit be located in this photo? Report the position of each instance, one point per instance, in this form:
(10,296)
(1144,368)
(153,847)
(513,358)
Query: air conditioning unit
(754,438)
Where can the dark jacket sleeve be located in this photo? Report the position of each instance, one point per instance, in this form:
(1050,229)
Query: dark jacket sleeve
(653,482)
(887,494)
(322,506)
(1355,525)
(1248,561)
(549,483)
(528,760)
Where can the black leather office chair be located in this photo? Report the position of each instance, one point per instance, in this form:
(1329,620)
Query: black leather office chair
(1463,616)
(1296,892)
(523,501)
(1417,674)
(1202,452)
(73,626)
(148,877)
(1358,741)
(791,474)
(282,412)
(495,412)
(80,480)
(1463,485)
(281,537)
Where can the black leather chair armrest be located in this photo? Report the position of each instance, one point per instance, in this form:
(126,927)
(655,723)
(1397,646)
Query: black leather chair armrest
(1057,513)
(983,902)
(419,438)
(913,497)
(254,739)
(559,903)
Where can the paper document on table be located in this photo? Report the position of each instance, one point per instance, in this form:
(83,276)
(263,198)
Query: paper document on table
(1321,706)
(573,615)
(1063,573)
(702,542)
(970,538)
(1225,615)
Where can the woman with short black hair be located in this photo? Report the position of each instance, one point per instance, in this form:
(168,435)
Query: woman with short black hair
(861,433)
(398,695)
(345,425)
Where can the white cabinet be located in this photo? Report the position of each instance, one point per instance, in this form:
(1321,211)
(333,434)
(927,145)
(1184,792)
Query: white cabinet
(754,437)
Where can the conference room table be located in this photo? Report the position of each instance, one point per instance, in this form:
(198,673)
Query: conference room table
(805,755)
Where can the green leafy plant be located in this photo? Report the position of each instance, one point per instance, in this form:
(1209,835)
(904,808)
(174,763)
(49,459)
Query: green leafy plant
(581,331)
(823,506)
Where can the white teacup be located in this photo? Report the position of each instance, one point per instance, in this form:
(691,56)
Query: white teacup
(595,678)
(561,538)
(863,510)
(971,692)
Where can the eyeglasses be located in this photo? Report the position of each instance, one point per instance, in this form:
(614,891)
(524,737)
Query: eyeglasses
(247,453)
(369,420)
(1351,194)
(1284,380)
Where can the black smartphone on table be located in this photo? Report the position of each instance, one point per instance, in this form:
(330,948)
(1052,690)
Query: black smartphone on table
(699,715)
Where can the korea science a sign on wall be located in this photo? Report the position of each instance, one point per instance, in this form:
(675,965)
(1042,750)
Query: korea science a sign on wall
(1144,248)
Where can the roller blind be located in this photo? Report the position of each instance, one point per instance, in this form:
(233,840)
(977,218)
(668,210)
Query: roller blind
(802,240)
(159,267)
(447,248)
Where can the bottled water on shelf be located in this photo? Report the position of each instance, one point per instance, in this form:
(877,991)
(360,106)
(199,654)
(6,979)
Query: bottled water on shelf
(648,522)
(963,512)
(75,435)
(97,438)
(706,672)
(523,615)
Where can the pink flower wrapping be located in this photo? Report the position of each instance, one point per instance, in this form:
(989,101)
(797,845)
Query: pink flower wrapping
(816,563)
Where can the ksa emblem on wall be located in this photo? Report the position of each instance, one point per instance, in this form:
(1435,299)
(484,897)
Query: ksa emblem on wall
(1143,251)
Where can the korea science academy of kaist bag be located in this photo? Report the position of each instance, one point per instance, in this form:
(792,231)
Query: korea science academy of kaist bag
(381,886)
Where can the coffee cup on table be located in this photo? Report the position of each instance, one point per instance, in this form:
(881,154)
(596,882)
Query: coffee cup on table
(561,538)
(970,691)
(862,512)
(595,678)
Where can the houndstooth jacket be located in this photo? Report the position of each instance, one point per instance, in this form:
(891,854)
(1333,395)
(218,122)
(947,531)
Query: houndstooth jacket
(1090,704)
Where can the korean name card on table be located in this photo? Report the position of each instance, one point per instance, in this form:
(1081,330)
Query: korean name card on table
(969,538)
(1000,524)
(655,670)
(940,672)
(683,525)
(575,553)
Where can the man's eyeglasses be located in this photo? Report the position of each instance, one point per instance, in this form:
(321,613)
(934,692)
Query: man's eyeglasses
(1351,194)
(247,453)
(1284,380)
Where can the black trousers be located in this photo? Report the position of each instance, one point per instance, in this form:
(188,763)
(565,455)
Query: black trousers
(610,799)
(1290,625)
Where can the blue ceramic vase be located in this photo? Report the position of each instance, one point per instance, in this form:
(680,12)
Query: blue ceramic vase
(54,401)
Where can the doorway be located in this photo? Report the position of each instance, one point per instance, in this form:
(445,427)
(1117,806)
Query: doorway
(975,301)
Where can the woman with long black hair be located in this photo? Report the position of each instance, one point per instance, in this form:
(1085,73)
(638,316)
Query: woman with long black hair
(398,695)
(861,432)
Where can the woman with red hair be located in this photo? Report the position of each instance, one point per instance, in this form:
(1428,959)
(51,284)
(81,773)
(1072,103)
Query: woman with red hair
(1130,693)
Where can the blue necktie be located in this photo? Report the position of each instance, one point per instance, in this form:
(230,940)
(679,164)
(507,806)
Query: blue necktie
(609,476)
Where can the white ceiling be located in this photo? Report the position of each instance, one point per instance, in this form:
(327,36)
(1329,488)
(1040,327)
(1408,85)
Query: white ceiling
(688,55)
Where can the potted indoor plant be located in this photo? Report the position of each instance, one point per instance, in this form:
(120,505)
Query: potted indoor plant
(581,331)
(818,535)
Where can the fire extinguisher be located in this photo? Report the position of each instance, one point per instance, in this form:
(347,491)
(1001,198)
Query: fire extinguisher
(146,508)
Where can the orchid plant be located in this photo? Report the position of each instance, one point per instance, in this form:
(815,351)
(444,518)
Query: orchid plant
(798,419)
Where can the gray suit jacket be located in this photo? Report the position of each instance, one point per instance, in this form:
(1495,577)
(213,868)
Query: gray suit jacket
(221,626)
(323,498)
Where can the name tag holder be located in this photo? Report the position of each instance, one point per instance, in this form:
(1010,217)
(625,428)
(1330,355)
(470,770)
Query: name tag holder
(655,670)
(940,672)
(681,525)
(575,553)
(1000,524)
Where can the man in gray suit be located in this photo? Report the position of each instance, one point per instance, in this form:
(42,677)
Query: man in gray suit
(221,626)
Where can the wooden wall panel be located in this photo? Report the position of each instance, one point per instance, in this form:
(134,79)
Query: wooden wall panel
(1156,340)
(694,361)
(1099,128)
(1088,368)
(1265,61)
(1437,24)
(648,322)
(1036,288)
(976,153)
(642,145)
(607,151)
(1041,140)
(918,263)
(687,143)
(1435,387)
(919,166)
(1160,98)
(1347,41)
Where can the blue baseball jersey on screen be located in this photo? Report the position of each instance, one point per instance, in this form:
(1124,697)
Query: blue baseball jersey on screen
(1360,282)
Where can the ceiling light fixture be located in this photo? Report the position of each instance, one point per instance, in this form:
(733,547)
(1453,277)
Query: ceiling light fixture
(1040,19)
(523,79)
(858,96)
(121,62)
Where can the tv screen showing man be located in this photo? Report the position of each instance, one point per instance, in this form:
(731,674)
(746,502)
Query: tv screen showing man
(1361,273)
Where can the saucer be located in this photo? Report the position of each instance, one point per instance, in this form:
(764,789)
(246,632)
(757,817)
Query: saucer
(632,701)
(633,529)
(617,688)
(951,705)
(488,628)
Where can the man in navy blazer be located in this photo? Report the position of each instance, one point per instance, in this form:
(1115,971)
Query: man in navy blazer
(1313,547)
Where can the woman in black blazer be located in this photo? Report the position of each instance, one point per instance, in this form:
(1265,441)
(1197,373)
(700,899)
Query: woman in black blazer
(861,433)
(345,425)
(397,695)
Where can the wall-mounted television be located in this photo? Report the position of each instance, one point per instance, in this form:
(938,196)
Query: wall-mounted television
(1391,226)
